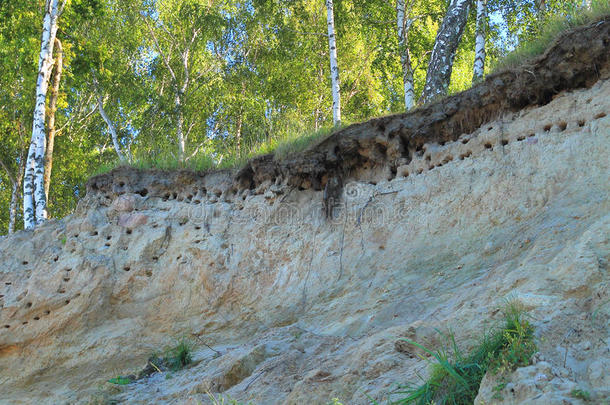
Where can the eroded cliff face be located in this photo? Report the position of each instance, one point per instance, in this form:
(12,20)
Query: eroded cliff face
(286,306)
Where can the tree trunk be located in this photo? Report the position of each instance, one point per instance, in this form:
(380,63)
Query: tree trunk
(179,128)
(107,120)
(443,52)
(15,180)
(15,195)
(404,25)
(34,200)
(479,54)
(48,167)
(238,133)
(334,66)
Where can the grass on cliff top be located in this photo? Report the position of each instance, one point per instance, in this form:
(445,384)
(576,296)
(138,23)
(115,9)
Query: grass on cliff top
(551,29)
(455,377)
(281,146)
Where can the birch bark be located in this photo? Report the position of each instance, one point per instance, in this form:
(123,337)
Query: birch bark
(15,180)
(443,52)
(479,54)
(334,66)
(107,120)
(404,24)
(34,200)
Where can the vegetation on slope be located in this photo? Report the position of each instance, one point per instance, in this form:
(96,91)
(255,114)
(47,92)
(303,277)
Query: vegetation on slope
(455,377)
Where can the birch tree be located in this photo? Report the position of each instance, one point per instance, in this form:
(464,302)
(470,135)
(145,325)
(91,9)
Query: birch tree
(14,169)
(34,198)
(479,54)
(443,53)
(334,65)
(403,25)
(111,127)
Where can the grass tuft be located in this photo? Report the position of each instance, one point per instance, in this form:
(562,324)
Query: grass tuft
(179,356)
(580,394)
(550,31)
(455,377)
(172,359)
(119,380)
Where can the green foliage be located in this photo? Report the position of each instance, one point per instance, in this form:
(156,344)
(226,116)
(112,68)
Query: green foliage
(455,377)
(580,394)
(120,380)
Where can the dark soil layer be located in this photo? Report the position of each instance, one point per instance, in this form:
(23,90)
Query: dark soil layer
(576,59)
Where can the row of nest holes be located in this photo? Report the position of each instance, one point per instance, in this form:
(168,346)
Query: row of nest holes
(148,272)
(562,125)
(189,197)
(45,313)
(143,192)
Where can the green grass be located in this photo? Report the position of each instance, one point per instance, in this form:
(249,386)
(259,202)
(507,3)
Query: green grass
(580,394)
(551,29)
(120,380)
(172,359)
(281,146)
(297,143)
(180,355)
(455,377)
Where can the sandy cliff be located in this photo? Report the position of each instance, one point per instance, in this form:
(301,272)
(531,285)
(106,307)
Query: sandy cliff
(443,215)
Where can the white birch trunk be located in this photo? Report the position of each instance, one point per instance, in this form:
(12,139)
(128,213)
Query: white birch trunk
(15,195)
(403,24)
(479,54)
(180,128)
(34,200)
(107,120)
(443,53)
(15,187)
(334,66)
(13,207)
(111,128)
